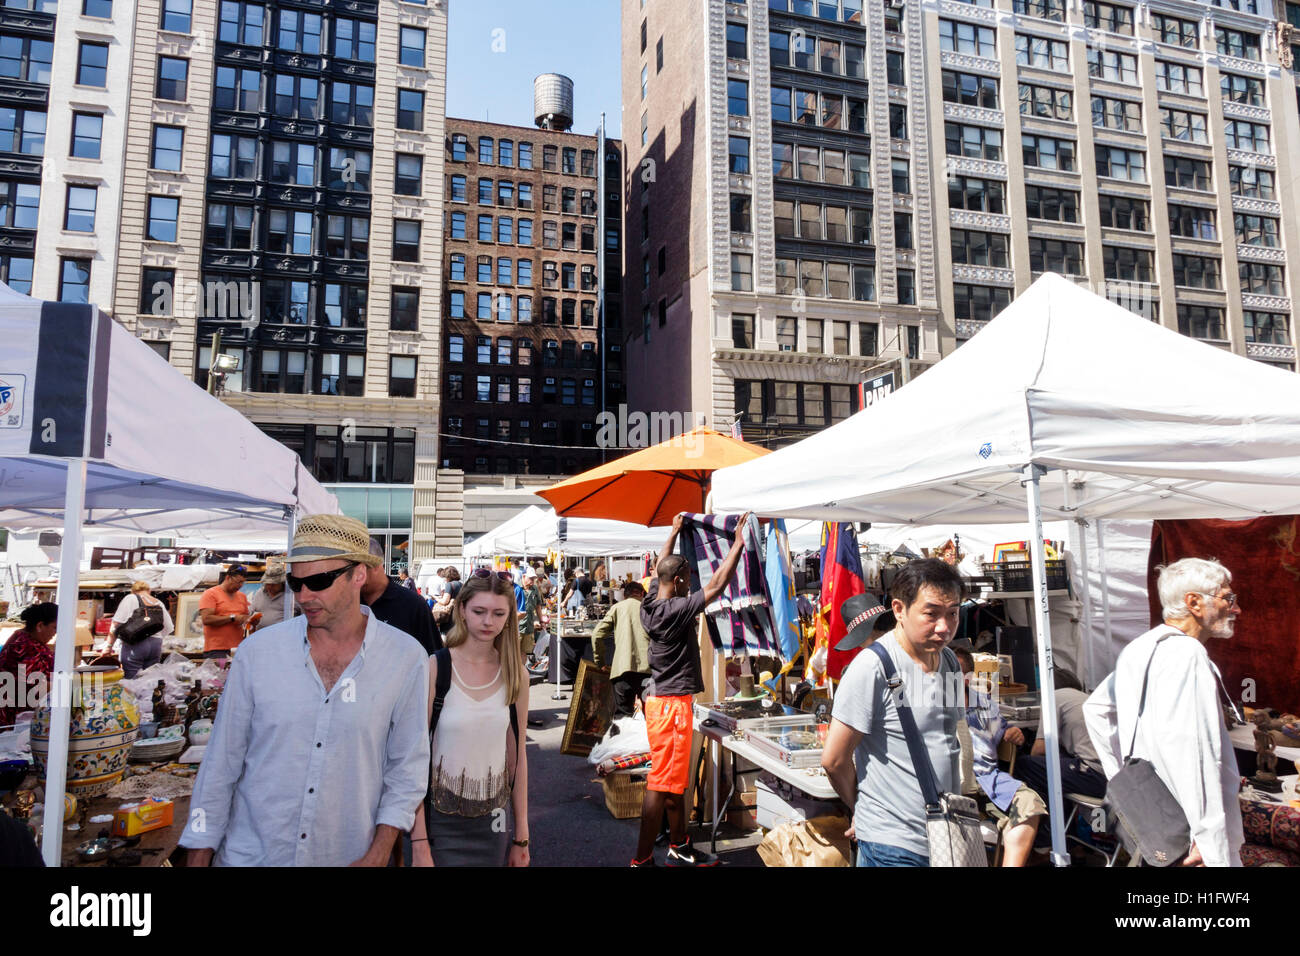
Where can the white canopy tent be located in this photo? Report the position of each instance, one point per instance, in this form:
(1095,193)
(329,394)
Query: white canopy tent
(1065,406)
(97,427)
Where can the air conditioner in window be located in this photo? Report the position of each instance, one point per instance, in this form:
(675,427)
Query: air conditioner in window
(785,348)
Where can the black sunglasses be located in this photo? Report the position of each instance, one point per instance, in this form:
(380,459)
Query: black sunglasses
(317,582)
(486,573)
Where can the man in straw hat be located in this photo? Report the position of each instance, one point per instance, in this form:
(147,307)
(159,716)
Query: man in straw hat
(268,601)
(295,773)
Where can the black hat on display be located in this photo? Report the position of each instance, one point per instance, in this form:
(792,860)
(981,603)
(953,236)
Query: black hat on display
(864,614)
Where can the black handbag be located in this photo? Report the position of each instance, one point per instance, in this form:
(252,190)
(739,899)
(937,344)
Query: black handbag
(1153,825)
(145,621)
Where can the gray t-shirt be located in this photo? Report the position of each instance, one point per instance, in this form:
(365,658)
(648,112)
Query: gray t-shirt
(1073,730)
(890,808)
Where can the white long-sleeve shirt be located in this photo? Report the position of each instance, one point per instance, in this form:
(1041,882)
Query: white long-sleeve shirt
(296,775)
(1182,733)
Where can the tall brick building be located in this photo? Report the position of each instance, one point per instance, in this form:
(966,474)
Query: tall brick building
(532,330)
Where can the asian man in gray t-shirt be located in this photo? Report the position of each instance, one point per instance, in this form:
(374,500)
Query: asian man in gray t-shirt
(866,755)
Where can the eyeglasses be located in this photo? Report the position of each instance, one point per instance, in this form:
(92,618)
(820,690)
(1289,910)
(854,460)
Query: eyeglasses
(317,582)
(1230,597)
(486,573)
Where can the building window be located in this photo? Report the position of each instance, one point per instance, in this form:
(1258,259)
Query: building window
(102,9)
(1196,272)
(74,281)
(406,240)
(229,226)
(457,192)
(1112,66)
(1237,43)
(410,174)
(1124,212)
(1056,255)
(87,134)
(742,273)
(293,163)
(401,376)
(299,32)
(1125,115)
(349,170)
(353,40)
(157,291)
(1271,328)
(1183,79)
(410,110)
(173,76)
(176,16)
(1202,322)
(234,157)
(1242,134)
(979,302)
(351,104)
(242,23)
(968,38)
(347,237)
(1242,89)
(456,304)
(741,217)
(92,70)
(22,58)
(1194,222)
(971,89)
(1181,126)
(1261,278)
(1186,173)
(19,204)
(1132,265)
(977,142)
(971,247)
(977,195)
(341,374)
(296,97)
(163,214)
(737,41)
(1249,181)
(455,348)
(1175,31)
(167,147)
(569,161)
(236,89)
(80,213)
(1110,17)
(1117,163)
(16,272)
(738,98)
(1255,230)
(525,155)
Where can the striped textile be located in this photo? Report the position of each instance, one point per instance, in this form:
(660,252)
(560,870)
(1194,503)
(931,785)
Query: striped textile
(740,619)
(629,762)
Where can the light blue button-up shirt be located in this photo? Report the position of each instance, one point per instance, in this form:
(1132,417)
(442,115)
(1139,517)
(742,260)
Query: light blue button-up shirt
(298,776)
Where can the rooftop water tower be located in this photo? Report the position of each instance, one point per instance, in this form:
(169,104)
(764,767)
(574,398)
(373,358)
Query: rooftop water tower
(553,102)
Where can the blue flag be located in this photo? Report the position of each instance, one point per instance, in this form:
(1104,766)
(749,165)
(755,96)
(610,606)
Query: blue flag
(780,589)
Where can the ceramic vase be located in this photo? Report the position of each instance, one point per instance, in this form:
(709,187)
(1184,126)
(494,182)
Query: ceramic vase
(104,726)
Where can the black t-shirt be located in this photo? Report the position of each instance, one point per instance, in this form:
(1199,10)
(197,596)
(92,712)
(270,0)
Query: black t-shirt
(405,610)
(17,847)
(674,645)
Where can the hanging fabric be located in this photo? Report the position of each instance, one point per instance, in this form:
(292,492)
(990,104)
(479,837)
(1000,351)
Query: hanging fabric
(740,619)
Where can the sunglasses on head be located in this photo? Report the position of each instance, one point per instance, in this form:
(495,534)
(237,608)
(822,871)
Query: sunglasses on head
(500,575)
(317,582)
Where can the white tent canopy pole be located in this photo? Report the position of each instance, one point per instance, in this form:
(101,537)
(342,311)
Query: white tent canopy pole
(62,686)
(1046,681)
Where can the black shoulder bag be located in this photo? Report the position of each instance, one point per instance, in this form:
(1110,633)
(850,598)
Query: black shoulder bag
(1154,826)
(145,621)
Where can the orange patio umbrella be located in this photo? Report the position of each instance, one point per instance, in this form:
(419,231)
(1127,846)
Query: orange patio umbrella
(651,486)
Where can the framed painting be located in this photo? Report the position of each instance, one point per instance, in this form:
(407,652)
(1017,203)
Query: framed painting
(591,710)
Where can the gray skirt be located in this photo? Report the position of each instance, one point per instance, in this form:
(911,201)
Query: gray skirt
(470,841)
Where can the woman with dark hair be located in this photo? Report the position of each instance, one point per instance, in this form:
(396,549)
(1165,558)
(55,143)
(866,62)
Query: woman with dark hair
(478,781)
(29,649)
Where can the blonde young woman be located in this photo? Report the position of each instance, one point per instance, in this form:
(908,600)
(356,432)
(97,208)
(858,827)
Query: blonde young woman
(478,780)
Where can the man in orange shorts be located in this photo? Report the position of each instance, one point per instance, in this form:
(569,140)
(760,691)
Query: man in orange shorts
(669,615)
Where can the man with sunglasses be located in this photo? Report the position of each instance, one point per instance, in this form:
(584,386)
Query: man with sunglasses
(320,753)
(1182,730)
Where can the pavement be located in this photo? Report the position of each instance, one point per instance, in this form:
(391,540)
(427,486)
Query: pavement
(568,822)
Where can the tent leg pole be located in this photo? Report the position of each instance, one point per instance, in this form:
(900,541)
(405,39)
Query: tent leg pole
(1102,572)
(1047,689)
(1085,594)
(558,640)
(288,595)
(61,685)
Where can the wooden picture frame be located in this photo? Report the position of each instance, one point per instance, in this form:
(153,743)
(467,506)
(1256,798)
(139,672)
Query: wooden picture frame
(591,710)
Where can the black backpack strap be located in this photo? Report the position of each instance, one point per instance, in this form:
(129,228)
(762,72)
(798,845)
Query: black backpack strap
(443,659)
(514,736)
(915,747)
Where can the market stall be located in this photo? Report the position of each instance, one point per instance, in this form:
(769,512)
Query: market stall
(98,428)
(1065,406)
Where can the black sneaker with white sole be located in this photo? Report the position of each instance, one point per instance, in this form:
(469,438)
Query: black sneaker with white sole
(688,854)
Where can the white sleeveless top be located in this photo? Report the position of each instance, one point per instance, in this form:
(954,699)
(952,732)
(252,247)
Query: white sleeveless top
(469,775)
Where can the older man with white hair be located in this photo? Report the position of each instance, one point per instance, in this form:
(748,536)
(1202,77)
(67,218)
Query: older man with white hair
(1182,731)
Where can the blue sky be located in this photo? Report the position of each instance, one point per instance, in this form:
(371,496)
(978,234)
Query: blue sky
(579,38)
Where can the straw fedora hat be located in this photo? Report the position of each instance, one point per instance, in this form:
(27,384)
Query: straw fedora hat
(274,573)
(327,537)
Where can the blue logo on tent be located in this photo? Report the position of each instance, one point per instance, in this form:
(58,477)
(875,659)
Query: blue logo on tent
(986,449)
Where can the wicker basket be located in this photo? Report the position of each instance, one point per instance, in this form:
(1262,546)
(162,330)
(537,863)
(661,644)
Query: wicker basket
(624,791)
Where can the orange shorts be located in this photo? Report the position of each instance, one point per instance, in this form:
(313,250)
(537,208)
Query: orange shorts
(668,724)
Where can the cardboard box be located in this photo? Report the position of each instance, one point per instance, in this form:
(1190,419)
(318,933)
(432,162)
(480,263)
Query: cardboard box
(148,814)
